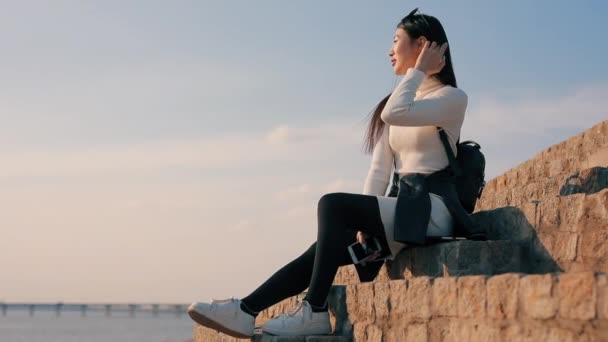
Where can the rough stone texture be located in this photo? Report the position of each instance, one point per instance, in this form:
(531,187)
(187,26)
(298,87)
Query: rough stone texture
(417,332)
(398,296)
(537,176)
(555,205)
(472,296)
(446,259)
(536,298)
(577,295)
(445,297)
(508,307)
(602,297)
(418,299)
(381,300)
(373,333)
(502,295)
(360,303)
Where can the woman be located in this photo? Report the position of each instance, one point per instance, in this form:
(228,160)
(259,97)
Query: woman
(402,127)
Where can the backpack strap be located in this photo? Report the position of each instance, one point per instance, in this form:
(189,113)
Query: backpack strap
(444,139)
(446,145)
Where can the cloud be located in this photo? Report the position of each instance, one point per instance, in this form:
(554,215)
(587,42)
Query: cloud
(62,102)
(201,153)
(279,134)
(343,185)
(307,190)
(326,132)
(291,192)
(302,211)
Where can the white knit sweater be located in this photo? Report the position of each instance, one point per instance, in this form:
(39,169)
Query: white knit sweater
(417,105)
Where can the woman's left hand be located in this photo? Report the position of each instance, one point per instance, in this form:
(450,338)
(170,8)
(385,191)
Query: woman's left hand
(361,237)
(431,59)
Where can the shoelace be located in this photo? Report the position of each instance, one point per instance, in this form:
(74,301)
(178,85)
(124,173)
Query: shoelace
(297,308)
(231,299)
(214,303)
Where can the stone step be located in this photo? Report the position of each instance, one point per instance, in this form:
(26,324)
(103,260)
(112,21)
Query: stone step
(458,258)
(258,337)
(203,334)
(570,306)
(448,259)
(560,233)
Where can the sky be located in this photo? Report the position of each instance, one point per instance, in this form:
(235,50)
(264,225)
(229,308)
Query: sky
(170,152)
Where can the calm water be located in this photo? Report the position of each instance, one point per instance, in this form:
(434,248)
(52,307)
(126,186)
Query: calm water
(70,326)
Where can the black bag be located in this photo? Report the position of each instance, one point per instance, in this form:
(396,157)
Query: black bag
(468,168)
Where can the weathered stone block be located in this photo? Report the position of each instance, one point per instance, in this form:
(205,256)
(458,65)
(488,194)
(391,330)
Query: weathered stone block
(360,332)
(419,298)
(445,297)
(577,295)
(360,302)
(536,297)
(483,333)
(381,300)
(602,296)
(398,297)
(565,246)
(373,333)
(556,167)
(397,332)
(472,296)
(594,243)
(503,257)
(502,296)
(417,332)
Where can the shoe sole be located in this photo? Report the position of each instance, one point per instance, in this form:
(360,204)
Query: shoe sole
(282,333)
(303,334)
(209,323)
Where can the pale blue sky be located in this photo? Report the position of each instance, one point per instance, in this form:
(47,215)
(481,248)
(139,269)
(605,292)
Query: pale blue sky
(142,139)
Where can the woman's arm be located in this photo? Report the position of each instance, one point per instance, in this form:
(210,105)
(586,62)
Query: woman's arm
(445,107)
(380,168)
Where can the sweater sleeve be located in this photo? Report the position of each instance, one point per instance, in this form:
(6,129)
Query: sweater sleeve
(380,168)
(443,108)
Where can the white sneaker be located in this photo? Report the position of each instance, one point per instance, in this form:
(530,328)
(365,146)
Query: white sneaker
(224,315)
(300,320)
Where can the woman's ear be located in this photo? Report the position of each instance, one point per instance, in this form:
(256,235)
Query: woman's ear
(420,41)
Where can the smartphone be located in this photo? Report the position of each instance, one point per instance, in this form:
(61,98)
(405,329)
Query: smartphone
(360,253)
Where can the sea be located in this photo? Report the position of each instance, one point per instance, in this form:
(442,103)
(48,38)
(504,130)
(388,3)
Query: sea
(95,326)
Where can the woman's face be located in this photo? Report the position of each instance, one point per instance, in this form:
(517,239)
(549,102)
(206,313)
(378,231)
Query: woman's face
(404,51)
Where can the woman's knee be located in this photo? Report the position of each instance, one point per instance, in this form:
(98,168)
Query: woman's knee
(332,202)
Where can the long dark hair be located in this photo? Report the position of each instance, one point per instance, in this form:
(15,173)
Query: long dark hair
(416,25)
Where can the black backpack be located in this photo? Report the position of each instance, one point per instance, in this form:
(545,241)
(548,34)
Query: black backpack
(468,169)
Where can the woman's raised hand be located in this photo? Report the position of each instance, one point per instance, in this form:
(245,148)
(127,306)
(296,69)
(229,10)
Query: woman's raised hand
(431,59)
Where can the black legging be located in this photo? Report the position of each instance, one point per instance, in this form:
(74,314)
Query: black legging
(340,215)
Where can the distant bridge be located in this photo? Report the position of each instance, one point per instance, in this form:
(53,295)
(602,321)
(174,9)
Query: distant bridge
(83,308)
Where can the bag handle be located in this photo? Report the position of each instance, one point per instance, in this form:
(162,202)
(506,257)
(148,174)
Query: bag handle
(446,145)
(448,150)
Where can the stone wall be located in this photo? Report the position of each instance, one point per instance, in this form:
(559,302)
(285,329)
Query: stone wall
(541,176)
(508,307)
(556,203)
(569,306)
